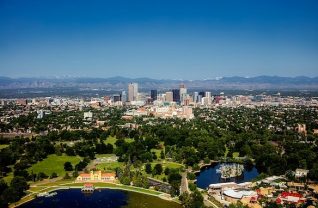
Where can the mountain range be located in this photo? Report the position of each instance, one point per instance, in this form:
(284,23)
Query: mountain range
(120,83)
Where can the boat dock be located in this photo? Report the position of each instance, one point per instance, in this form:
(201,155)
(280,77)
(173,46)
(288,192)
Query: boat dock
(88,188)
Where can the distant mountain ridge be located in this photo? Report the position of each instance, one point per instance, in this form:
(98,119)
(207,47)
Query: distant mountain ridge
(119,83)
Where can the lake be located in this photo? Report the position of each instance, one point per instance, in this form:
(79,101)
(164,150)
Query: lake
(100,198)
(208,175)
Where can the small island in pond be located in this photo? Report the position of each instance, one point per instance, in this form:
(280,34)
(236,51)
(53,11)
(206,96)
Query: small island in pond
(230,170)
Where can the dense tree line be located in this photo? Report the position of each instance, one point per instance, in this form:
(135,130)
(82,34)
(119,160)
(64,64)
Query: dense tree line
(265,134)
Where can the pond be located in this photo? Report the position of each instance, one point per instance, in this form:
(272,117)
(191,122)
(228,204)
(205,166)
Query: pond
(100,198)
(208,175)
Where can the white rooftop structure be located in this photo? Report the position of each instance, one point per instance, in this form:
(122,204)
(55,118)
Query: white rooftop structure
(301,173)
(239,194)
(220,185)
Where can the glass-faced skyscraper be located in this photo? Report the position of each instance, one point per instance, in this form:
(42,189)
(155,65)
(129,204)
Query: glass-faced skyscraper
(153,94)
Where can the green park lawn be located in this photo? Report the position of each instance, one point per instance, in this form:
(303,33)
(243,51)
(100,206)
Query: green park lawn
(54,163)
(104,155)
(2,146)
(166,164)
(109,166)
(236,154)
(112,140)
(157,151)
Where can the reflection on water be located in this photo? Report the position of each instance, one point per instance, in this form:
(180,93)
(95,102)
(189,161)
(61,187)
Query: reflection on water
(209,175)
(74,198)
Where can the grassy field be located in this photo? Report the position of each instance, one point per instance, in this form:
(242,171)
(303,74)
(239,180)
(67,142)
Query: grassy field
(166,164)
(104,155)
(236,154)
(2,146)
(112,140)
(54,163)
(109,166)
(157,151)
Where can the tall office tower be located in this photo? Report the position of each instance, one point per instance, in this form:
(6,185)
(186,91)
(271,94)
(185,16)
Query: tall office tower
(183,92)
(153,94)
(132,91)
(195,97)
(208,96)
(116,97)
(202,94)
(169,96)
(123,96)
(176,95)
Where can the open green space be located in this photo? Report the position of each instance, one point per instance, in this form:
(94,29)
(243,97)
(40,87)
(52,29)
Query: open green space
(104,155)
(157,151)
(236,154)
(109,166)
(112,140)
(166,164)
(2,146)
(54,163)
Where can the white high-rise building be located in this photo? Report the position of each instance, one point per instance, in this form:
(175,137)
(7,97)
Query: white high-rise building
(209,98)
(123,96)
(132,92)
(195,97)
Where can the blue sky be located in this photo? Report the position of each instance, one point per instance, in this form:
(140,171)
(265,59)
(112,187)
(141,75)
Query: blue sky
(158,38)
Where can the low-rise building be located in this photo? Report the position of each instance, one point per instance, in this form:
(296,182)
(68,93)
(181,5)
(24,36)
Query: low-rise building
(299,173)
(97,176)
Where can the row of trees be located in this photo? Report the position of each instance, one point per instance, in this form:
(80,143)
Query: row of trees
(13,192)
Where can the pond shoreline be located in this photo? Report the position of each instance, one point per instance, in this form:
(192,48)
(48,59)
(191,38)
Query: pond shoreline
(160,195)
(112,196)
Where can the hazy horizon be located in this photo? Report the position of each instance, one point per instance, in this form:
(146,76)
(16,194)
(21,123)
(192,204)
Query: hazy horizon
(158,39)
(145,77)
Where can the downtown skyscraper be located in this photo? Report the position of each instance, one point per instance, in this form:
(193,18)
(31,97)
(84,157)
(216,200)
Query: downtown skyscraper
(132,92)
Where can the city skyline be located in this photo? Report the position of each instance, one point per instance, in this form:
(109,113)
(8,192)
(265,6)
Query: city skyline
(164,40)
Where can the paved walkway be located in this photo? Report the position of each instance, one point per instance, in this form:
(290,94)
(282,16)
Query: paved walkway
(207,202)
(184,187)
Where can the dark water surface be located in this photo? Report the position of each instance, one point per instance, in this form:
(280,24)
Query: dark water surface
(208,175)
(99,199)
